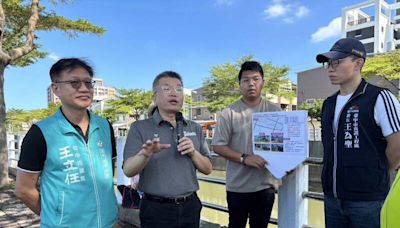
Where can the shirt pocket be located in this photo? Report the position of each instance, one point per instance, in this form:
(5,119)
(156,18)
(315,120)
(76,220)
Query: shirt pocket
(361,175)
(60,207)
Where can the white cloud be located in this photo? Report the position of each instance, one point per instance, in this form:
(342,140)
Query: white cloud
(53,56)
(287,12)
(276,10)
(224,2)
(302,11)
(333,29)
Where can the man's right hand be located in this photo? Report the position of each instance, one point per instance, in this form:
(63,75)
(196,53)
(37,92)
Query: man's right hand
(153,146)
(255,161)
(135,164)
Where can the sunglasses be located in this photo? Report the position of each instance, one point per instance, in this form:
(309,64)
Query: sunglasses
(76,84)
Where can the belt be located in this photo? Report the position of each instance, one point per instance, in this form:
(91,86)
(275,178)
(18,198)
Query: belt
(160,199)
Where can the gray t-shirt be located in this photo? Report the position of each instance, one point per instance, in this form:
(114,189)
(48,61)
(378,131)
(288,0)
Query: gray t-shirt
(234,130)
(168,173)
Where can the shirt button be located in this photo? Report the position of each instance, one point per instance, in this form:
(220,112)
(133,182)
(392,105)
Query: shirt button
(172,128)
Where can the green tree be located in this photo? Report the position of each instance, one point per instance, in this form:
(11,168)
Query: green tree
(17,117)
(222,87)
(386,65)
(19,20)
(314,111)
(14,119)
(187,106)
(288,95)
(133,102)
(38,114)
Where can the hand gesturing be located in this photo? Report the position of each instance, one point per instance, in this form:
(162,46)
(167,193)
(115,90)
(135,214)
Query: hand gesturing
(153,146)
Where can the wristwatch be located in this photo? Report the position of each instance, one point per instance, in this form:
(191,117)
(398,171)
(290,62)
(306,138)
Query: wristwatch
(242,158)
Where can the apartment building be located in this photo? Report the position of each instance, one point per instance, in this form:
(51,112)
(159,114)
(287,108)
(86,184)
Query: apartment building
(376,23)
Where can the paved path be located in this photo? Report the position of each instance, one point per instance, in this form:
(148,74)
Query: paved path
(13,213)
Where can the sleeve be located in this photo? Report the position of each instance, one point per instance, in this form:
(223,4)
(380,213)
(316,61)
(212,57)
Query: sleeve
(33,151)
(386,113)
(223,130)
(113,145)
(204,150)
(134,142)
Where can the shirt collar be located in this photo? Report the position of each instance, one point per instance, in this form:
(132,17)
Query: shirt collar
(74,125)
(68,126)
(158,120)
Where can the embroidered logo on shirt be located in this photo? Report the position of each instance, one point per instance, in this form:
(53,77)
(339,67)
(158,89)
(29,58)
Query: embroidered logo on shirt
(351,133)
(100,144)
(189,133)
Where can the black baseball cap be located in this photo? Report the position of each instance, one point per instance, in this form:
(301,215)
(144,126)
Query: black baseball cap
(343,48)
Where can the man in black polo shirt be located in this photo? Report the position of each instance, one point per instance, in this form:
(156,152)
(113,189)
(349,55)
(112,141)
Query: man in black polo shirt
(167,166)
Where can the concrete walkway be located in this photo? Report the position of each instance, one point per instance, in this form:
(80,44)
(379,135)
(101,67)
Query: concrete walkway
(13,213)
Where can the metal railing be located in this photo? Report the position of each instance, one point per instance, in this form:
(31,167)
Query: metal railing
(304,194)
(361,21)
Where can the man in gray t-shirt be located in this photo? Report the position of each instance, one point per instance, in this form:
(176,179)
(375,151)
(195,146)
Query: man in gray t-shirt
(250,186)
(167,164)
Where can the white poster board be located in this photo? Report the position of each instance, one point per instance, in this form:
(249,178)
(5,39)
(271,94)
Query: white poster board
(281,138)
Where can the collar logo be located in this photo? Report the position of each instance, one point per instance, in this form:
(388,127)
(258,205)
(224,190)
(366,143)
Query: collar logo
(100,144)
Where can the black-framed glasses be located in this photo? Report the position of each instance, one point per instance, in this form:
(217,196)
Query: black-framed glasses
(332,63)
(168,89)
(256,80)
(76,84)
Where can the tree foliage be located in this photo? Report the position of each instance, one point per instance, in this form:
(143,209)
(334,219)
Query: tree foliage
(386,65)
(16,118)
(132,102)
(19,46)
(17,15)
(314,109)
(222,87)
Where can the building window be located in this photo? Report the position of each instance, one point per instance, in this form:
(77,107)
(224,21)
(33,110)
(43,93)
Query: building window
(381,45)
(369,47)
(383,29)
(358,33)
(198,111)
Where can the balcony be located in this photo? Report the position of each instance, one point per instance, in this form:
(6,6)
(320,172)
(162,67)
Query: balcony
(361,21)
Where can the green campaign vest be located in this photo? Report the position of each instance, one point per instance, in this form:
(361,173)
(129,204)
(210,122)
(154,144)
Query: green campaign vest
(390,213)
(76,183)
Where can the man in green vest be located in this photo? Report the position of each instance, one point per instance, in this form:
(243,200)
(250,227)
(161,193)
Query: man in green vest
(71,152)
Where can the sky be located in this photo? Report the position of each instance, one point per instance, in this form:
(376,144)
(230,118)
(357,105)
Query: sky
(146,37)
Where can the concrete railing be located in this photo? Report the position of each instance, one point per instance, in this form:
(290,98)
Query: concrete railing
(14,142)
